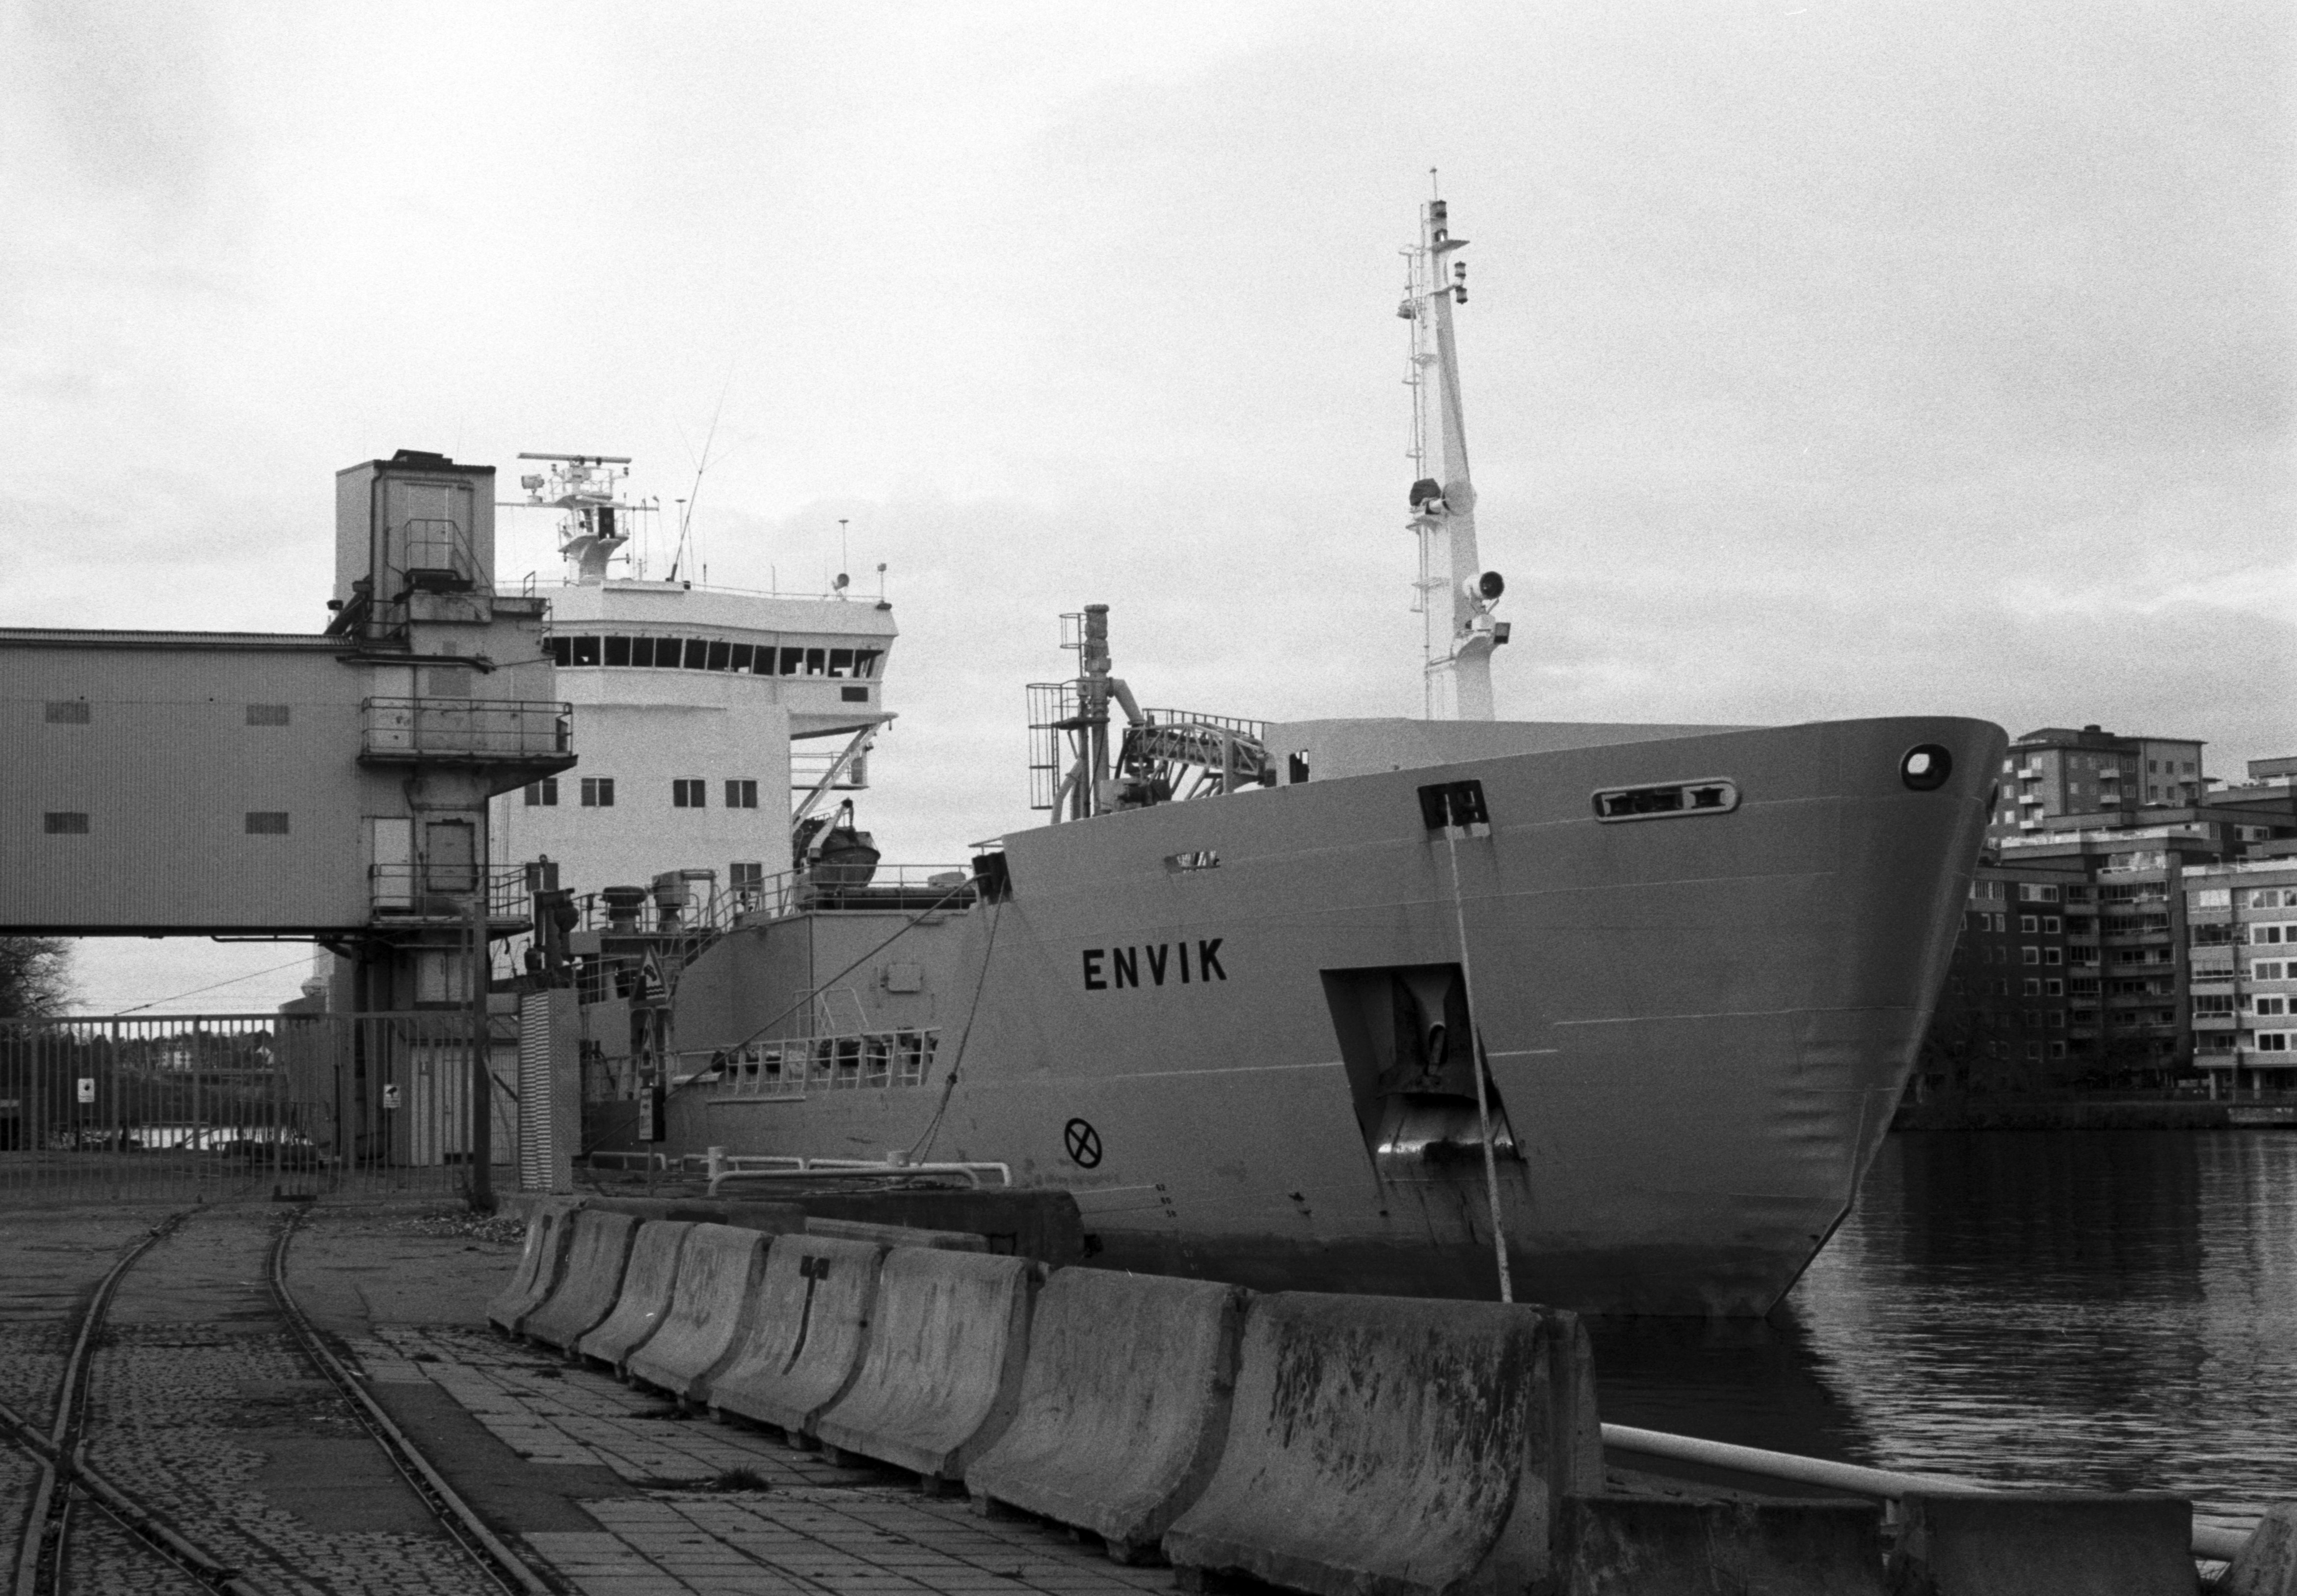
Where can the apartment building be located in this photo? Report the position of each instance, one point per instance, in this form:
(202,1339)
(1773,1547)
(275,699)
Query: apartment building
(2096,927)
(2242,947)
(2057,771)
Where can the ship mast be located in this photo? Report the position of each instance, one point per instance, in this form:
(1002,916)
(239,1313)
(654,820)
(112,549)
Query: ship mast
(1455,594)
(594,522)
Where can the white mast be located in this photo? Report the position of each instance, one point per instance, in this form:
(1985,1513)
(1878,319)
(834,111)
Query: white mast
(1455,593)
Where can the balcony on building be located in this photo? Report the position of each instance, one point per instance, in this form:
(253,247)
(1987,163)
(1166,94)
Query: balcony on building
(534,734)
(441,893)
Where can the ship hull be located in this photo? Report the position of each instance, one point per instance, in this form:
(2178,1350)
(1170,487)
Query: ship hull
(1697,1025)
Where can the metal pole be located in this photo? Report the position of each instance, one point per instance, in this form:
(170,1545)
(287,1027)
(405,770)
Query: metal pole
(2209,1540)
(482,1139)
(1476,1058)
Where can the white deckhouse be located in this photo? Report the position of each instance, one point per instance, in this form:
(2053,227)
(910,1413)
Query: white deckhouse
(700,708)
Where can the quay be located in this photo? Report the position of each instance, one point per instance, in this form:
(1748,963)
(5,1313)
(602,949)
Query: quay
(199,1403)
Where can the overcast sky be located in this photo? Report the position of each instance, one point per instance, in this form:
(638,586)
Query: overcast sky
(1820,360)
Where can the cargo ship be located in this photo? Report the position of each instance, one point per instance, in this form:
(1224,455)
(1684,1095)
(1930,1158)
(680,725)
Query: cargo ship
(1612,1016)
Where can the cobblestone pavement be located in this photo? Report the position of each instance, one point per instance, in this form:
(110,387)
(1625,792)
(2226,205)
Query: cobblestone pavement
(202,1406)
(101,1557)
(201,1403)
(52,1254)
(814,1528)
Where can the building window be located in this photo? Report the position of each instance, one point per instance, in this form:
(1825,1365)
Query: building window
(266,822)
(2029,924)
(597,792)
(2057,1049)
(2054,989)
(745,874)
(2033,1052)
(741,794)
(64,823)
(2264,936)
(2053,956)
(2270,970)
(543,793)
(686,794)
(267,714)
(2033,988)
(67,712)
(2050,924)
(853,695)
(2277,1004)
(2273,1041)
(2029,955)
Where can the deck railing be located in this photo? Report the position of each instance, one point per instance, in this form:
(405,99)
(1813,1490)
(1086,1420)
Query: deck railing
(467,730)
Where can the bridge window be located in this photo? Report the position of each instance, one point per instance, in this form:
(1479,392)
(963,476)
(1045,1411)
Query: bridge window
(586,651)
(267,714)
(687,794)
(763,665)
(814,657)
(841,662)
(743,653)
(865,661)
(618,651)
(69,712)
(720,653)
(266,822)
(64,823)
(697,653)
(561,650)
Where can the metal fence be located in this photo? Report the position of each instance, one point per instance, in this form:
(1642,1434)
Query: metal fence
(218,1105)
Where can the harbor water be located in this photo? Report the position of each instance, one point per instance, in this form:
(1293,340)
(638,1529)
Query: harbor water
(2113,1311)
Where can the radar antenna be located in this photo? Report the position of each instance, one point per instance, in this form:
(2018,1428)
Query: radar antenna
(594,521)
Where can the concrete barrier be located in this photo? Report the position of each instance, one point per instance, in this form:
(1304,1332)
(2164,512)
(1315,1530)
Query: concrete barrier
(548,1230)
(646,1286)
(2046,1543)
(942,1373)
(1395,1445)
(1618,1545)
(806,1333)
(710,1309)
(1124,1406)
(589,1285)
(2267,1563)
(854,1229)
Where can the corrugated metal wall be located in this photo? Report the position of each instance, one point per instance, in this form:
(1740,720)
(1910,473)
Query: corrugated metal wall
(167,766)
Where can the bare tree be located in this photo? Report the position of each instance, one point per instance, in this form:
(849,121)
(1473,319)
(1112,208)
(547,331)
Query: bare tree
(35,976)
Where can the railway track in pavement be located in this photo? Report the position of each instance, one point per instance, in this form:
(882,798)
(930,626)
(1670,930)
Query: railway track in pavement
(160,1422)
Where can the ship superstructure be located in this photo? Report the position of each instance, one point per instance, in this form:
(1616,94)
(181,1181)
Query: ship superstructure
(1621,1010)
(704,710)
